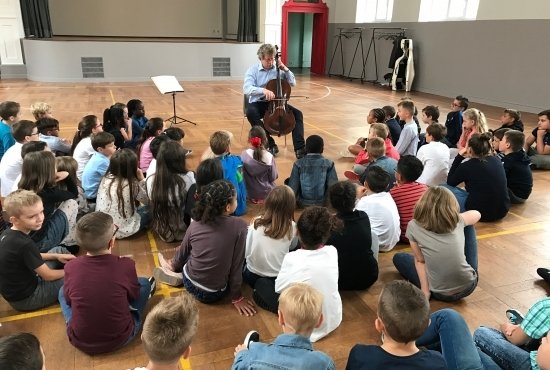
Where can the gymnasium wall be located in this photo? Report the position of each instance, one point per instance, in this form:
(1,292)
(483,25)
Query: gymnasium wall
(499,60)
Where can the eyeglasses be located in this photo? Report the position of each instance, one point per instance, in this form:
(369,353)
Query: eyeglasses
(116,229)
(34,133)
(455,105)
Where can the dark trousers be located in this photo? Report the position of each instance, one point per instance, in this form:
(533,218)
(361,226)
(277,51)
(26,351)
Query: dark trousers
(255,112)
(265,295)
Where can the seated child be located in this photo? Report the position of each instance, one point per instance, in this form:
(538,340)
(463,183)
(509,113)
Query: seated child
(208,151)
(474,122)
(70,165)
(539,154)
(27,282)
(430,115)
(30,147)
(152,129)
(9,114)
(407,190)
(49,133)
(516,165)
(117,123)
(21,351)
(168,331)
(408,140)
(220,143)
(434,156)
(41,110)
(209,261)
(104,146)
(312,174)
(315,263)
(300,312)
(507,346)
(453,123)
(392,124)
(270,236)
(259,168)
(403,315)
(495,141)
(375,150)
(380,207)
(511,119)
(102,300)
(484,178)
(357,256)
(375,115)
(10,166)
(177,134)
(156,143)
(136,112)
(376,130)
(82,149)
(444,262)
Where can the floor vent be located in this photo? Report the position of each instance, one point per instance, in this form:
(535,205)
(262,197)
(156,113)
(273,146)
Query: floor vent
(221,67)
(92,67)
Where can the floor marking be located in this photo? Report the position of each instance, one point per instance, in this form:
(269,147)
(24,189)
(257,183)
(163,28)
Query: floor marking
(322,97)
(513,230)
(29,315)
(163,288)
(112,96)
(326,132)
(518,216)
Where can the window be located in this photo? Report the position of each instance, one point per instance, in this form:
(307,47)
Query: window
(448,10)
(370,11)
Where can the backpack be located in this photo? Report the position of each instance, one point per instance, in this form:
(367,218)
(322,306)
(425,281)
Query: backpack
(233,172)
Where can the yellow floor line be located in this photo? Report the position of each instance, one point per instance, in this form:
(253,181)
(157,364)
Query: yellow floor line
(163,288)
(29,315)
(326,132)
(518,216)
(112,96)
(513,230)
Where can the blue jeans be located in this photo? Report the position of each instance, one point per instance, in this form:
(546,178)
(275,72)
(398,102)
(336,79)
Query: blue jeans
(145,217)
(136,307)
(57,228)
(470,241)
(507,355)
(404,263)
(449,334)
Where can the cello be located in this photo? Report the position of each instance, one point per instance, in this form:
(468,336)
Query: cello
(278,118)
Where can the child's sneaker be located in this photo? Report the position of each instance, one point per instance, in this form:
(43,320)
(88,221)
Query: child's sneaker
(153,284)
(252,336)
(514,316)
(168,277)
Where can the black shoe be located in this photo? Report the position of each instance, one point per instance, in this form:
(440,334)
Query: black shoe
(544,273)
(514,316)
(252,336)
(274,150)
(300,153)
(153,286)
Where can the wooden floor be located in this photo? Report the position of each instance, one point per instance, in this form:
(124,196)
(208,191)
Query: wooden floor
(509,250)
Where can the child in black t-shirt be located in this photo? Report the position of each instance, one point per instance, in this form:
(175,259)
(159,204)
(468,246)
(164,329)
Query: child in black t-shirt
(516,165)
(403,316)
(20,259)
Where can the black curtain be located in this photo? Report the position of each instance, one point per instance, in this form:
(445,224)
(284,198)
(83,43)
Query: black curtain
(247,21)
(36,18)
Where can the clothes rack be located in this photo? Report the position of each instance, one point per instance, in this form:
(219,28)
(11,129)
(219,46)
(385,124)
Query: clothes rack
(380,33)
(344,34)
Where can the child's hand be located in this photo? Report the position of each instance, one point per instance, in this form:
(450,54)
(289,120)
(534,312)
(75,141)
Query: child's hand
(239,348)
(64,258)
(66,141)
(541,133)
(508,328)
(360,141)
(139,174)
(61,175)
(463,152)
(360,192)
(245,307)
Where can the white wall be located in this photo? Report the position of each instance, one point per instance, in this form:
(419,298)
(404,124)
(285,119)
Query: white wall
(513,9)
(59,61)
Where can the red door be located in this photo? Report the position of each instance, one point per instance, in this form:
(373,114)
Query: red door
(320,32)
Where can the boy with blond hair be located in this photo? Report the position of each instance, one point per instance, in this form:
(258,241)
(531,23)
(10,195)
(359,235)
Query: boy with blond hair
(403,316)
(168,332)
(102,300)
(300,311)
(27,282)
(376,152)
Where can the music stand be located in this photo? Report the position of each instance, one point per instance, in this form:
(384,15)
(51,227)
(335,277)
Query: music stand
(170,85)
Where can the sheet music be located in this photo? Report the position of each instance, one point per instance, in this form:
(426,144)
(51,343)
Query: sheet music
(167,84)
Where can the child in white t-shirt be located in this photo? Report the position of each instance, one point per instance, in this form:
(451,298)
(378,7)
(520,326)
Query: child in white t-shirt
(380,207)
(434,156)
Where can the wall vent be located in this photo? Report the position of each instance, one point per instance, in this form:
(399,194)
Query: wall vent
(221,67)
(92,67)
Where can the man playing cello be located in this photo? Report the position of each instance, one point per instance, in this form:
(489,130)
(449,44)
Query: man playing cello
(255,80)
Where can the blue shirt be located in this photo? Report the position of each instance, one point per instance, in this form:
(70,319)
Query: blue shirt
(288,351)
(6,138)
(408,140)
(138,124)
(257,77)
(56,144)
(94,171)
